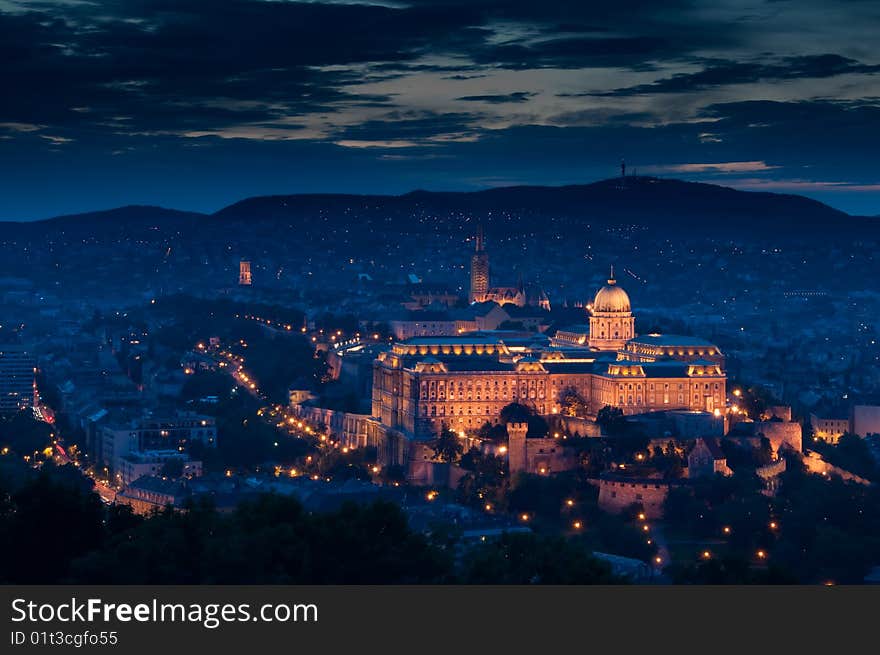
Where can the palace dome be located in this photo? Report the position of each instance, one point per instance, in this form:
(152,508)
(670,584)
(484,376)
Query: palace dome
(611,298)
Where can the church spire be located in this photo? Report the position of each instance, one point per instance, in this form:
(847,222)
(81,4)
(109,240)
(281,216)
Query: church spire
(479,270)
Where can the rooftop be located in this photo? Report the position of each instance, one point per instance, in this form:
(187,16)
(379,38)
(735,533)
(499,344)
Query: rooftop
(671,340)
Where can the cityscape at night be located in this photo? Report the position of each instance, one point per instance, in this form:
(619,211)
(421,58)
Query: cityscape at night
(438,292)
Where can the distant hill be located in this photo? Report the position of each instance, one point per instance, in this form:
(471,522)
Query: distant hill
(666,205)
(636,201)
(130,217)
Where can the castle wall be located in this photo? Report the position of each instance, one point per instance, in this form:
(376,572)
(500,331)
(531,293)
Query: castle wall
(815,464)
(582,426)
(618,494)
(780,434)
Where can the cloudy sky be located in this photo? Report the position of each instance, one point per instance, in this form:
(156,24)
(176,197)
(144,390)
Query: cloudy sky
(197,103)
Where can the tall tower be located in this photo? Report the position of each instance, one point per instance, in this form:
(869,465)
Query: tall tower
(517,453)
(611,320)
(244,273)
(479,270)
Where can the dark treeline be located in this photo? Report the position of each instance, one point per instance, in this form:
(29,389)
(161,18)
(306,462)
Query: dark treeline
(814,531)
(54,529)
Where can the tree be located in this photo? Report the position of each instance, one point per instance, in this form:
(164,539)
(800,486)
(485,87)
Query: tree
(496,433)
(573,404)
(519,413)
(487,482)
(23,434)
(172,468)
(515,413)
(447,446)
(852,454)
(393,473)
(533,559)
(50,522)
(612,421)
(268,539)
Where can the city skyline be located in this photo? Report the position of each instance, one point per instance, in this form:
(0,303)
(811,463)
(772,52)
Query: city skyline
(436,292)
(163,103)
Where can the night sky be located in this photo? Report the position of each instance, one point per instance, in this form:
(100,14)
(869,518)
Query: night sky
(195,104)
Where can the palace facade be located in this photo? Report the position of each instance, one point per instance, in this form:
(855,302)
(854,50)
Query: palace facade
(466,380)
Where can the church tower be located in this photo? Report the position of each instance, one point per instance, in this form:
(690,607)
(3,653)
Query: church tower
(244,273)
(611,320)
(479,271)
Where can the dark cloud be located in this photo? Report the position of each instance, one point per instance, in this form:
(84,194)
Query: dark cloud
(574,52)
(725,73)
(500,98)
(419,127)
(148,59)
(121,91)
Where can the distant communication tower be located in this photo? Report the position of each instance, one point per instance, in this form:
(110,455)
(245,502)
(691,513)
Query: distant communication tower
(244,273)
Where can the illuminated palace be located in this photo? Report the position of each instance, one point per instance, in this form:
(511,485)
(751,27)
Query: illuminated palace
(466,380)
